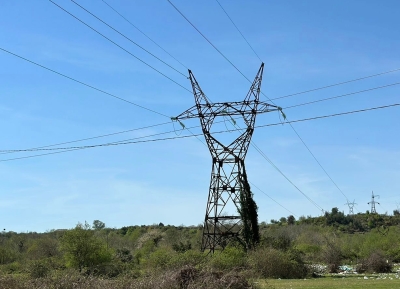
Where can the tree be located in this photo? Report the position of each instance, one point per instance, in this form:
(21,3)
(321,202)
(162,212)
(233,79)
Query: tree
(291,219)
(98,225)
(82,248)
(248,213)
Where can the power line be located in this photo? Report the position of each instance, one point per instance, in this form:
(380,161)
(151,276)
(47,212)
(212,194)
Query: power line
(127,38)
(249,181)
(342,95)
(276,168)
(333,115)
(98,145)
(83,83)
(238,30)
(207,39)
(315,158)
(312,154)
(315,89)
(310,90)
(84,139)
(339,83)
(276,202)
(105,135)
(151,110)
(250,82)
(125,142)
(144,34)
(120,46)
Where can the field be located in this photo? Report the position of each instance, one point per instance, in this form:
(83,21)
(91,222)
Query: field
(385,281)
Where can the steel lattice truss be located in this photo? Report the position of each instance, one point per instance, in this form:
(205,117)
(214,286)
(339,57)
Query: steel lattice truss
(227,161)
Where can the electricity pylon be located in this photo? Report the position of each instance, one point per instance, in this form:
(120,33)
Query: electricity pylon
(228,174)
(351,206)
(373,210)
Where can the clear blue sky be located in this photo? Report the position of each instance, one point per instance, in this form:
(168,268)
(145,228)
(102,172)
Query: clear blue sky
(304,44)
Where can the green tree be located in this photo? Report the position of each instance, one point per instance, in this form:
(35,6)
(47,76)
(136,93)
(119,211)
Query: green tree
(248,214)
(291,219)
(98,225)
(82,248)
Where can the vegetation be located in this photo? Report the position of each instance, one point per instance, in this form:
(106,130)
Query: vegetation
(163,256)
(248,214)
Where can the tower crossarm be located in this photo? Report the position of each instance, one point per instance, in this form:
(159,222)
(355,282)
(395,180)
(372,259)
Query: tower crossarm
(213,110)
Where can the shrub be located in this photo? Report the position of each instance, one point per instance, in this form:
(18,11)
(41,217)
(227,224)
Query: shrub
(271,263)
(189,258)
(160,259)
(7,255)
(230,258)
(83,249)
(39,269)
(375,263)
(13,267)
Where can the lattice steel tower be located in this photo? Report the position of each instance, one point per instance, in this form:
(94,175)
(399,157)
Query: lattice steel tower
(228,170)
(351,206)
(373,210)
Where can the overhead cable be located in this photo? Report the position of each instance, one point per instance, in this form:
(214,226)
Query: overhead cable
(226,13)
(152,67)
(251,82)
(207,39)
(85,139)
(83,83)
(337,84)
(126,142)
(127,38)
(112,8)
(342,95)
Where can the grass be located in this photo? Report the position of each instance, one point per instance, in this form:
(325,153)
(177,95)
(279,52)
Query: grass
(382,281)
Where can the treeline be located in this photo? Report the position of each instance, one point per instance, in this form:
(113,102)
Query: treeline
(357,223)
(288,248)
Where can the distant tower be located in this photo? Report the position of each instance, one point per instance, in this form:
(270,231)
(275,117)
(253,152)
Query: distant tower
(373,210)
(351,206)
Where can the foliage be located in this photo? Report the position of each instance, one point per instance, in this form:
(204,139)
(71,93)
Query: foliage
(182,247)
(152,254)
(98,225)
(228,259)
(272,263)
(39,269)
(375,263)
(83,249)
(248,213)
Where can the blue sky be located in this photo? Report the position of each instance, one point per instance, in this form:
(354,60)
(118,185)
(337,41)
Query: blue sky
(304,45)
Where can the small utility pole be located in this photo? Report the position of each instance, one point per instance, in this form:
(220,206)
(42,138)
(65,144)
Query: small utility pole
(373,210)
(351,206)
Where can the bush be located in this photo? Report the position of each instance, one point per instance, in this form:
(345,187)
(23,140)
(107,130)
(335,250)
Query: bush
(7,255)
(160,259)
(375,263)
(13,267)
(229,259)
(271,263)
(332,255)
(189,258)
(39,269)
(83,249)
(110,270)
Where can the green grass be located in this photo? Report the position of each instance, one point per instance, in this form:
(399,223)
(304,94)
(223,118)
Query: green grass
(353,282)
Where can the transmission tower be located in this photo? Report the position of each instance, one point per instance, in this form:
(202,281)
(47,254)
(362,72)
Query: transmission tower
(373,210)
(222,222)
(351,206)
